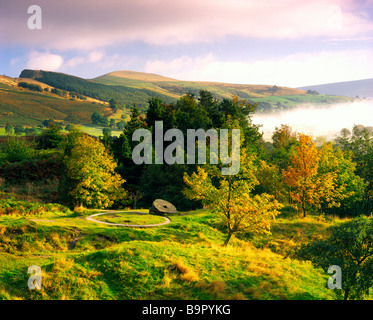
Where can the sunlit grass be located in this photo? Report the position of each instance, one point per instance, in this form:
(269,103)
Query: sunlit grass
(81,259)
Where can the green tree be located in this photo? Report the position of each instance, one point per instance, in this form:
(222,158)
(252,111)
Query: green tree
(284,141)
(269,178)
(114,104)
(106,132)
(348,189)
(349,246)
(99,119)
(90,175)
(51,137)
(112,123)
(9,129)
(360,144)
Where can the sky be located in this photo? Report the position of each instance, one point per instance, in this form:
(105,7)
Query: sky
(277,42)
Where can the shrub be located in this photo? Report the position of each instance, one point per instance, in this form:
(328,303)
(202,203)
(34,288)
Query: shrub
(15,150)
(349,246)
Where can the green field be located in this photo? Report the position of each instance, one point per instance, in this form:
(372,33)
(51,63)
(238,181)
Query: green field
(97,130)
(81,259)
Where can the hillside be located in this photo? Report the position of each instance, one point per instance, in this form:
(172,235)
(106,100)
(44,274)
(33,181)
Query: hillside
(177,87)
(20,106)
(129,87)
(123,94)
(80,97)
(81,259)
(361,88)
(270,98)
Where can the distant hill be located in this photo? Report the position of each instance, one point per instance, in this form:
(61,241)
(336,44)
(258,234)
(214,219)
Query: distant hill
(77,98)
(270,98)
(130,87)
(361,88)
(142,76)
(176,88)
(90,88)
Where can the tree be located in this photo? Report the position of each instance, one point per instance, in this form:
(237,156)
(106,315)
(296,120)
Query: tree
(284,140)
(360,144)
(69,127)
(269,178)
(300,175)
(349,246)
(231,199)
(99,119)
(114,104)
(51,137)
(106,132)
(91,179)
(121,124)
(347,188)
(18,129)
(9,129)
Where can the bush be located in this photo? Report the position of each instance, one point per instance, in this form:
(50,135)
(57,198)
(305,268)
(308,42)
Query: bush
(30,86)
(15,150)
(50,138)
(32,170)
(348,246)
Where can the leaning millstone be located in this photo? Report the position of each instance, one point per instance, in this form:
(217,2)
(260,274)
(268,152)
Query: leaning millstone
(160,206)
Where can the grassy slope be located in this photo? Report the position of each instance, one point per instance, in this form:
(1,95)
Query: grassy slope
(181,260)
(25,107)
(279,98)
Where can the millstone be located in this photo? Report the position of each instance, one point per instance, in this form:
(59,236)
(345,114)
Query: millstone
(162,206)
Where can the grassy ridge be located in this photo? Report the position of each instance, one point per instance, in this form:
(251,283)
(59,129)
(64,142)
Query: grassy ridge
(182,260)
(269,97)
(123,94)
(27,107)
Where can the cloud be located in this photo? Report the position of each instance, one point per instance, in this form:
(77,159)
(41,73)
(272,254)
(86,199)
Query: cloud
(44,61)
(90,24)
(92,57)
(294,70)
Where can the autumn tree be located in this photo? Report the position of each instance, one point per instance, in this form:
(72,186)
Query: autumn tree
(300,175)
(320,178)
(90,174)
(230,197)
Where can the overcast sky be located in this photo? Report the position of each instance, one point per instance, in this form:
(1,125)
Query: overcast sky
(277,42)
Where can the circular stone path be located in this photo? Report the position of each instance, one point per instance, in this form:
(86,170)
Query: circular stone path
(90,218)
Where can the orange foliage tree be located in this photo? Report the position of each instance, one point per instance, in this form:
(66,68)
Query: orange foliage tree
(313,176)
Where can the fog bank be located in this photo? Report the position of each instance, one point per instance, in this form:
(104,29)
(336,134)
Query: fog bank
(318,121)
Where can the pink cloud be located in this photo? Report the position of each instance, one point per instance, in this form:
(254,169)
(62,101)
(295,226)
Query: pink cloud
(91,24)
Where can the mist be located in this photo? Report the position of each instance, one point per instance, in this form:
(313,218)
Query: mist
(318,121)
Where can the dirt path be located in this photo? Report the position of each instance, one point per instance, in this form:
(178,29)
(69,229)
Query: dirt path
(90,218)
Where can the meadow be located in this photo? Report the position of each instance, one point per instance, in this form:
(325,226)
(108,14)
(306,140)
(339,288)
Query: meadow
(81,259)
